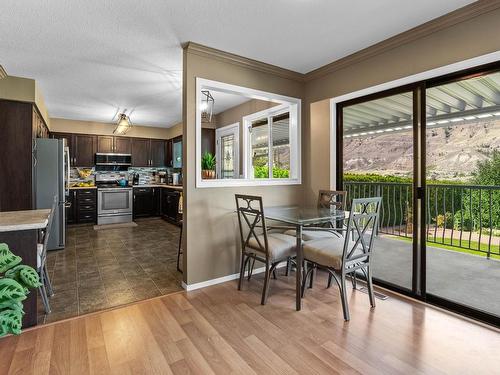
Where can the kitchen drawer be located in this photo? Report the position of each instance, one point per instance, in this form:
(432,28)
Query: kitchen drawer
(86,201)
(86,207)
(86,217)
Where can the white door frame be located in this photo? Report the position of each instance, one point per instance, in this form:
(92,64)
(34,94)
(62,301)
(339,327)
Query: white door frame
(221,132)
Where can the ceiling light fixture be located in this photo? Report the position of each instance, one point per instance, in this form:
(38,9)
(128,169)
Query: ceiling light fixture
(123,125)
(206,106)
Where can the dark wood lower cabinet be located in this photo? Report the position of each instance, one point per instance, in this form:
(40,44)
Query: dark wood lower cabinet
(24,244)
(71,207)
(170,205)
(82,206)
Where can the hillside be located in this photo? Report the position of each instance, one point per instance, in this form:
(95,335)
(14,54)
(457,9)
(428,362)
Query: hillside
(452,152)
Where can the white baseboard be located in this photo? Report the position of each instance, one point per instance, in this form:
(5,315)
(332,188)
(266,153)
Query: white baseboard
(223,279)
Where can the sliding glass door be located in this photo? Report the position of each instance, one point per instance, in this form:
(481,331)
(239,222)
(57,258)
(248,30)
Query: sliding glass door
(463,192)
(431,150)
(378,160)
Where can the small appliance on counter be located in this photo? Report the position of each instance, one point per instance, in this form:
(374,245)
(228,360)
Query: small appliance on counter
(175,178)
(135,179)
(114,198)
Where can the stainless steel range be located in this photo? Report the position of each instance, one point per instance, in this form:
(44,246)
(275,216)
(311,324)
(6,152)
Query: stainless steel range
(114,202)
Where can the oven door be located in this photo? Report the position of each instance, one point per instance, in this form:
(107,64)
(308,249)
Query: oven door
(114,201)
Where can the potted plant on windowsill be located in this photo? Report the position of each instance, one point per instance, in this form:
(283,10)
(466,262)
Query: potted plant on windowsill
(15,282)
(208,166)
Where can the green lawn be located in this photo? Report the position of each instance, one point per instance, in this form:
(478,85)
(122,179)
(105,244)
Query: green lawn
(448,246)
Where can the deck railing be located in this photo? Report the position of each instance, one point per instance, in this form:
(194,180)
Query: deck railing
(458,216)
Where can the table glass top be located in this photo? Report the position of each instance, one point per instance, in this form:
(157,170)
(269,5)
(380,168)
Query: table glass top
(306,215)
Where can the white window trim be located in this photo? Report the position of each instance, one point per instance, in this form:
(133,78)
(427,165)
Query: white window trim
(295,103)
(220,132)
(247,148)
(437,72)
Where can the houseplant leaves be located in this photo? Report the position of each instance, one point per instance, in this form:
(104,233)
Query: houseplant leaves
(7,258)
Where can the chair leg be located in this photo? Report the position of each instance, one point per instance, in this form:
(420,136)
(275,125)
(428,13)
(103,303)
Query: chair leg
(305,275)
(343,295)
(330,279)
(369,283)
(242,269)
(288,266)
(49,283)
(265,291)
(312,277)
(43,293)
(353,280)
(250,269)
(274,274)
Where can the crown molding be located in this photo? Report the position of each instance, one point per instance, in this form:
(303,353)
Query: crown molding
(457,16)
(201,50)
(3,73)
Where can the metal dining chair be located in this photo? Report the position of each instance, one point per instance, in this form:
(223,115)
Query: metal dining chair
(258,243)
(45,288)
(345,255)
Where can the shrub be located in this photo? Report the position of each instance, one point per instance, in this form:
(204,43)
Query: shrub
(263,172)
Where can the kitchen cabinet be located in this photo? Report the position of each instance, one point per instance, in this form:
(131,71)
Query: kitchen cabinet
(123,145)
(69,142)
(140,152)
(109,143)
(86,206)
(85,147)
(105,143)
(71,207)
(168,153)
(20,125)
(82,148)
(157,151)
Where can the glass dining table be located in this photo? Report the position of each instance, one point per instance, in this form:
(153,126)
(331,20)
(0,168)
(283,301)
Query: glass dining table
(299,217)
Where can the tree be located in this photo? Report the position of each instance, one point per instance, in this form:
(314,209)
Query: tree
(488,171)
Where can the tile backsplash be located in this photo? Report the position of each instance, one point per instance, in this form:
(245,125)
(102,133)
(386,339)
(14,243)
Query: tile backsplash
(145,173)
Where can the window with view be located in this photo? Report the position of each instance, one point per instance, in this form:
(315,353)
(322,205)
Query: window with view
(270,146)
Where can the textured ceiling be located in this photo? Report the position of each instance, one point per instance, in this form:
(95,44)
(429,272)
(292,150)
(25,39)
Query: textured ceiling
(93,58)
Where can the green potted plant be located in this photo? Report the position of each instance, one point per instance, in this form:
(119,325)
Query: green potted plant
(16,280)
(208,164)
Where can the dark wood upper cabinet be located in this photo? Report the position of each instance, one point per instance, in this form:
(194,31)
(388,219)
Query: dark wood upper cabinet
(157,153)
(140,152)
(123,145)
(168,153)
(105,143)
(85,147)
(69,142)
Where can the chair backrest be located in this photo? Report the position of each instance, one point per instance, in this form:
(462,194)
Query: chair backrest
(48,228)
(328,198)
(361,230)
(251,221)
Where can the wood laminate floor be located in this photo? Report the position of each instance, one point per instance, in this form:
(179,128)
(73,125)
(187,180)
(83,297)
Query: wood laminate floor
(220,330)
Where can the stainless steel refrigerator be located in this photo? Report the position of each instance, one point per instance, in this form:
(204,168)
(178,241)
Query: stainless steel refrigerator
(51,174)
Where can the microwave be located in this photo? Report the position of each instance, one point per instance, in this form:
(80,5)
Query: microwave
(112,161)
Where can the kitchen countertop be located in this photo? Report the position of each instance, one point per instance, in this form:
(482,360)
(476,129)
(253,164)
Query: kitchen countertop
(82,187)
(175,187)
(23,220)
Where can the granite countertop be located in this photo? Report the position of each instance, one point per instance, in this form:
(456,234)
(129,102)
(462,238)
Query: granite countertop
(23,220)
(175,187)
(83,187)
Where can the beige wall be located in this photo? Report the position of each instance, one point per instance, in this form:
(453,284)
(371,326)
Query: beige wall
(475,37)
(100,128)
(24,90)
(210,229)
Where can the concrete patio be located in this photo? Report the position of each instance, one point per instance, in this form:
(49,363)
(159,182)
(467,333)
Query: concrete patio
(463,278)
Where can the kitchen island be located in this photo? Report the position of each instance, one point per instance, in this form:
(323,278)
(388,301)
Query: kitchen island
(19,230)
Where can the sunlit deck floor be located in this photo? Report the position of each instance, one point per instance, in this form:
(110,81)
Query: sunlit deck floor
(463,278)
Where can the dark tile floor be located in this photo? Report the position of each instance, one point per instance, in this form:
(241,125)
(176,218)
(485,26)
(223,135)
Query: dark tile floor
(112,267)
